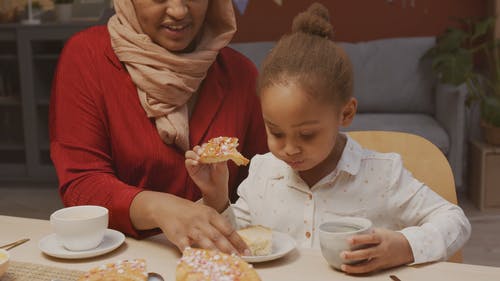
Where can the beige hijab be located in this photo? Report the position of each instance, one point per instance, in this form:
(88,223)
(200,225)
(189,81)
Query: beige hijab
(165,81)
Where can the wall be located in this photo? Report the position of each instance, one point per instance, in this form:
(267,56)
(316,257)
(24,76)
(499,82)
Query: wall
(358,20)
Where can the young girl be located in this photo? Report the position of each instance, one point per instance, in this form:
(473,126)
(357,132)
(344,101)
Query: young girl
(315,173)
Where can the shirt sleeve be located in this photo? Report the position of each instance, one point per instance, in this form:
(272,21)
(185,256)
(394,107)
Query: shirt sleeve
(79,141)
(436,228)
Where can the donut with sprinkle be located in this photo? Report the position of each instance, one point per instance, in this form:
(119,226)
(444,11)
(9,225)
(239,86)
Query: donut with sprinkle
(221,149)
(212,265)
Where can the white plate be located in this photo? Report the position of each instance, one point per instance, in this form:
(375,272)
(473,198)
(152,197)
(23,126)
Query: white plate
(282,245)
(50,246)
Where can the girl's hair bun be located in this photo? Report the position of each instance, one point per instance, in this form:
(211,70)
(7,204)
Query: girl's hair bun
(315,21)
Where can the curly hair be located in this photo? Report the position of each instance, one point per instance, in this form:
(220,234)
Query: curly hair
(309,58)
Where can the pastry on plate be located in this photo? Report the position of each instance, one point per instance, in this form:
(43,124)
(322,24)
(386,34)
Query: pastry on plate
(221,149)
(258,238)
(124,270)
(212,265)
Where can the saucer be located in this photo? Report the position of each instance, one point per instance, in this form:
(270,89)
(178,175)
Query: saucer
(282,245)
(50,246)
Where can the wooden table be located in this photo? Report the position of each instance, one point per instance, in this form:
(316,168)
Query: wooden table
(162,257)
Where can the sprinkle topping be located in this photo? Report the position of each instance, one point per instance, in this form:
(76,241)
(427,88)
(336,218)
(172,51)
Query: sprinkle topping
(212,265)
(120,268)
(219,146)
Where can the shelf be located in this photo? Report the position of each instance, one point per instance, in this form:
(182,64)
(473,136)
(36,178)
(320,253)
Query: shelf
(47,48)
(43,134)
(13,157)
(45,157)
(8,49)
(46,172)
(45,146)
(10,101)
(11,128)
(8,57)
(47,57)
(28,60)
(10,90)
(43,74)
(4,146)
(43,101)
(12,171)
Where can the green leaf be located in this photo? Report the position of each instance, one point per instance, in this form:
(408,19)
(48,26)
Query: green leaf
(482,27)
(453,61)
(453,68)
(490,110)
(451,40)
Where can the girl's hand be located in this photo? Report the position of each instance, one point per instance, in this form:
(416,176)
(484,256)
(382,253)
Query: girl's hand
(386,249)
(212,179)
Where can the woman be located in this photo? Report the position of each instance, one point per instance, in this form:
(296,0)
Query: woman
(128,99)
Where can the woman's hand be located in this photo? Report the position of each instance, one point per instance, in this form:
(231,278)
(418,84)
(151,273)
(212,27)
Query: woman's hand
(212,179)
(185,223)
(386,249)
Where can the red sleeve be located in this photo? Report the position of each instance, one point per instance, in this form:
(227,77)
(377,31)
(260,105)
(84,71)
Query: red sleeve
(254,140)
(79,137)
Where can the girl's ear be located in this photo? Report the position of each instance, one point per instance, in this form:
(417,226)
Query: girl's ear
(348,112)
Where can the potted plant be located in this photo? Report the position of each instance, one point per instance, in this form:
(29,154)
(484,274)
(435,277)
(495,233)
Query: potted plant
(469,55)
(63,10)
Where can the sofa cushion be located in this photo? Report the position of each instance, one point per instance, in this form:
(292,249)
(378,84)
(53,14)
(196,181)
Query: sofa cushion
(255,51)
(419,124)
(390,77)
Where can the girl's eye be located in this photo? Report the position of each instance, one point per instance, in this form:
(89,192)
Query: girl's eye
(277,135)
(307,136)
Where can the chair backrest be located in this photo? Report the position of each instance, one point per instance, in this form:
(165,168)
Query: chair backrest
(421,157)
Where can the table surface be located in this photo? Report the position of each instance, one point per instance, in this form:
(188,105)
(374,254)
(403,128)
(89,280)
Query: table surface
(162,257)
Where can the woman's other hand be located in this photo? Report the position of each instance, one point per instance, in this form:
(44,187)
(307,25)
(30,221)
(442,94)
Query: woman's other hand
(212,179)
(185,223)
(386,249)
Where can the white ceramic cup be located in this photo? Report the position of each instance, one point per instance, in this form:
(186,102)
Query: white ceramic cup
(80,228)
(333,237)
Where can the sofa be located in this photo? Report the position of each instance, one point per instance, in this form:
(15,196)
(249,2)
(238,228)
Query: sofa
(397,91)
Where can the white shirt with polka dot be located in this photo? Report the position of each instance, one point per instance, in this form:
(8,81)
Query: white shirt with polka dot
(365,183)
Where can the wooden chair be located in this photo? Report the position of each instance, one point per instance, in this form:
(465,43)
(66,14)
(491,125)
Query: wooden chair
(426,162)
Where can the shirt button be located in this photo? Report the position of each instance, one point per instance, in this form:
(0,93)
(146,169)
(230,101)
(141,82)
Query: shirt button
(308,235)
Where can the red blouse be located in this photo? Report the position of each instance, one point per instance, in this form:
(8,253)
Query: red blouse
(105,149)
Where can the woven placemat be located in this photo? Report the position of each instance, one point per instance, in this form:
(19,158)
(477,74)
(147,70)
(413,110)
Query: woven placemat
(24,271)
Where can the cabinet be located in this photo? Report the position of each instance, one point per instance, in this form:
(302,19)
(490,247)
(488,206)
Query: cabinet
(484,175)
(28,58)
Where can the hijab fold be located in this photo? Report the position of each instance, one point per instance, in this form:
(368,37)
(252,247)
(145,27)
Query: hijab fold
(165,80)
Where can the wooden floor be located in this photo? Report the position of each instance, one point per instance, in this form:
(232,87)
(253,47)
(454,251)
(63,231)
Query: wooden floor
(483,248)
